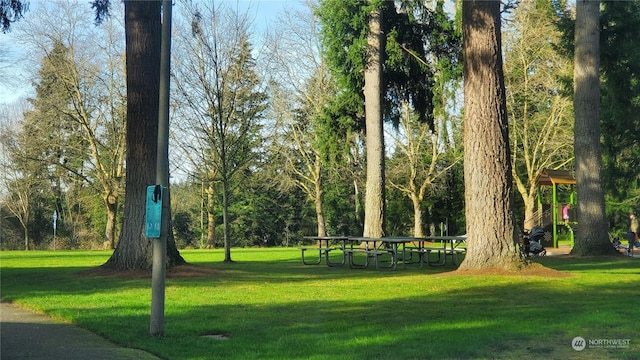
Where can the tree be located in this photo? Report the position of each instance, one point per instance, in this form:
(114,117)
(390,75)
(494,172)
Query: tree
(218,83)
(540,115)
(80,101)
(492,240)
(353,34)
(427,152)
(419,168)
(142,33)
(592,237)
(301,88)
(30,191)
(296,148)
(11,11)
(357,35)
(374,205)
(21,176)
(620,110)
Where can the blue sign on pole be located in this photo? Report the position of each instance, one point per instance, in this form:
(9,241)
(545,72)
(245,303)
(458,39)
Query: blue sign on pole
(153,222)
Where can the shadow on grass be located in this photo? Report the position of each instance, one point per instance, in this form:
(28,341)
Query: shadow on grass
(282,270)
(455,318)
(27,282)
(606,264)
(282,309)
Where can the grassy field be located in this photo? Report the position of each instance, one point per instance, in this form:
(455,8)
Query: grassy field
(270,306)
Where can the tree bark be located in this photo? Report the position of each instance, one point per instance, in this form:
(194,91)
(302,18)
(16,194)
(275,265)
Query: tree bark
(491,235)
(111,203)
(143,37)
(225,221)
(591,237)
(417,216)
(529,206)
(26,237)
(211,219)
(374,209)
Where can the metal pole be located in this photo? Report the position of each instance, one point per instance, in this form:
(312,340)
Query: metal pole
(162,178)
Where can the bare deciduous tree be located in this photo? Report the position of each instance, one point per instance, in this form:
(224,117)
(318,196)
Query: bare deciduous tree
(301,88)
(540,116)
(421,166)
(220,90)
(80,95)
(21,177)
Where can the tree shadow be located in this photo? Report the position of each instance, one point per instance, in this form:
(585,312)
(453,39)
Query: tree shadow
(466,319)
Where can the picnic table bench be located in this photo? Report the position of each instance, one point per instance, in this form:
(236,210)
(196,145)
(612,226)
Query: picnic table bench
(453,246)
(325,244)
(385,252)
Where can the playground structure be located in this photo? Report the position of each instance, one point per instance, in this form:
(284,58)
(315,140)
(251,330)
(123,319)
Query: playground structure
(549,216)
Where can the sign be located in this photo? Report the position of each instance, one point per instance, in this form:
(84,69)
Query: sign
(153,218)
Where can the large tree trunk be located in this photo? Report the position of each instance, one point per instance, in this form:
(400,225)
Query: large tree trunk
(143,37)
(591,237)
(374,206)
(491,235)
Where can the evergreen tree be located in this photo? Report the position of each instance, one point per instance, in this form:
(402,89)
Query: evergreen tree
(620,109)
(413,36)
(143,37)
(619,93)
(492,239)
(11,11)
(592,237)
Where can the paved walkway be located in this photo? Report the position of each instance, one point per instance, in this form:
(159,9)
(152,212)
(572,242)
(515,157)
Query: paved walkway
(30,336)
(564,250)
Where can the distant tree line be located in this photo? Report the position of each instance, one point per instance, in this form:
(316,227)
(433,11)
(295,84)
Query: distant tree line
(270,146)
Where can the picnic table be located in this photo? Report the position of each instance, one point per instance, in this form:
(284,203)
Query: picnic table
(452,246)
(386,252)
(324,245)
(377,248)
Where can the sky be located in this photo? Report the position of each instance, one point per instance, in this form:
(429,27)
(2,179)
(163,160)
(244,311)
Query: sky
(15,83)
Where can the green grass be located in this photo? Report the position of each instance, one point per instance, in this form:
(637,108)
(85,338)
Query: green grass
(273,307)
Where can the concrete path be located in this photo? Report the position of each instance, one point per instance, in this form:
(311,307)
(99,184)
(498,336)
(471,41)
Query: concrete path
(564,250)
(27,335)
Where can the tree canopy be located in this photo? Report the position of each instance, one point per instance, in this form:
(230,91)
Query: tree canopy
(417,37)
(309,127)
(11,11)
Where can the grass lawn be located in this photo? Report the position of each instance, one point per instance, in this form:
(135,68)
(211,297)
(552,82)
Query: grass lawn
(271,306)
